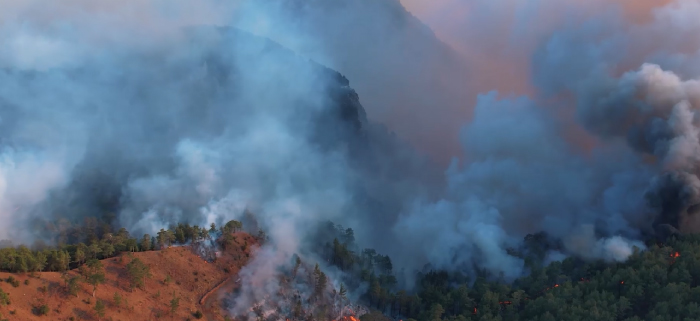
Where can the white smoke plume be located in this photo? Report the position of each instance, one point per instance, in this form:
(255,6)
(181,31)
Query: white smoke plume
(140,110)
(629,170)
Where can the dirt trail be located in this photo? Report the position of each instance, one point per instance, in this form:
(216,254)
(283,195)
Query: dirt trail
(211,300)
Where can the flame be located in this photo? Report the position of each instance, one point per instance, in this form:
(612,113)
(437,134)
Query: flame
(556,285)
(674,255)
(622,282)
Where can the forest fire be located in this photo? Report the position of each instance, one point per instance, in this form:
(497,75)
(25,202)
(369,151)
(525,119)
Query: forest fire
(674,256)
(346,318)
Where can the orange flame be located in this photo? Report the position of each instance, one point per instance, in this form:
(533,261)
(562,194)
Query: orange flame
(622,282)
(347,318)
(674,255)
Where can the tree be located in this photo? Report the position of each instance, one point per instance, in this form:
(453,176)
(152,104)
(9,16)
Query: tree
(297,264)
(72,285)
(100,309)
(96,274)
(132,245)
(321,281)
(62,262)
(40,260)
(107,249)
(174,304)
(80,253)
(146,243)
(343,291)
(94,250)
(4,298)
(137,272)
(232,227)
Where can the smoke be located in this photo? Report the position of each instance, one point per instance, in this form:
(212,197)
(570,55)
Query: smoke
(160,119)
(586,127)
(407,78)
(629,87)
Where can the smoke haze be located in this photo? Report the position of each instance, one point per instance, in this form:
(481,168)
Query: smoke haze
(576,118)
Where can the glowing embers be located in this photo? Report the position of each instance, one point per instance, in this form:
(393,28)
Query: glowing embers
(674,256)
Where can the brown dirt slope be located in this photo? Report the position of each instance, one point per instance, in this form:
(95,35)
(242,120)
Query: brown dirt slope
(174,271)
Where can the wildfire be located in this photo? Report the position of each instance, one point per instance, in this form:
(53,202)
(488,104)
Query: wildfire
(347,318)
(622,282)
(675,255)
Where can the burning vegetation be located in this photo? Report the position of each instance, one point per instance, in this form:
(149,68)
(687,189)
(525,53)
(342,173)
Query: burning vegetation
(303,292)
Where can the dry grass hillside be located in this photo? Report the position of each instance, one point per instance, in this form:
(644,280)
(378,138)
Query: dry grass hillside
(176,272)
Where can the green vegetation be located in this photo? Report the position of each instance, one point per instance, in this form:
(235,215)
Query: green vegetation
(41,310)
(14,282)
(95,240)
(174,304)
(661,283)
(95,274)
(137,272)
(4,298)
(117,299)
(73,285)
(99,309)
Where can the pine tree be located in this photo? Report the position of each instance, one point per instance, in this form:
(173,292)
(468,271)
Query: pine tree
(100,309)
(96,274)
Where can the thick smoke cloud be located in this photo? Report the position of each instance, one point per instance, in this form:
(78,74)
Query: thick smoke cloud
(169,122)
(155,133)
(523,174)
(158,122)
(406,77)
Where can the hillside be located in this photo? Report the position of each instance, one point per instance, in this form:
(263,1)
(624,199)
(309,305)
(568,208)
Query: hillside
(175,271)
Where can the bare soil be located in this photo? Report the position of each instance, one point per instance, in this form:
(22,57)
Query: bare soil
(175,272)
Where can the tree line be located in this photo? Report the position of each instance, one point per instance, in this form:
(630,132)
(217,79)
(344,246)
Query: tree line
(101,243)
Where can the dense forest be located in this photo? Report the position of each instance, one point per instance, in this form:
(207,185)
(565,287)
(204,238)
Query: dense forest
(660,283)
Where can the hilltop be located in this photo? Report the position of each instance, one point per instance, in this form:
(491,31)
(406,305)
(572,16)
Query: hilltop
(175,272)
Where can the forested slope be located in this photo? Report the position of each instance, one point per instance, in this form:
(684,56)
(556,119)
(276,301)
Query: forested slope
(660,283)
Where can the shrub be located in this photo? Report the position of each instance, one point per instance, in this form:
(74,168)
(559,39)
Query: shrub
(41,310)
(4,298)
(198,314)
(14,282)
